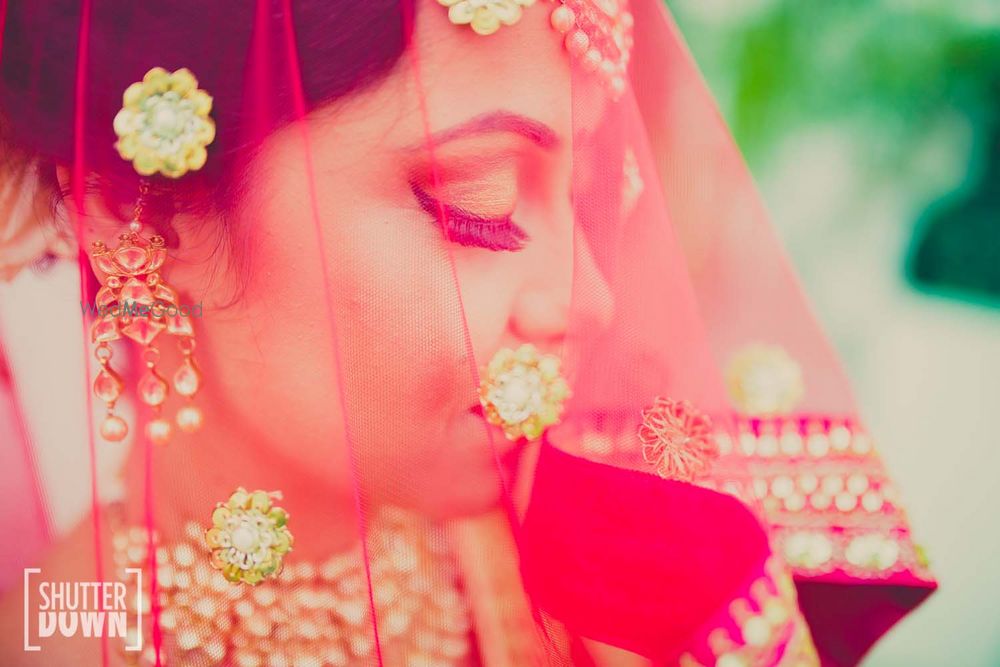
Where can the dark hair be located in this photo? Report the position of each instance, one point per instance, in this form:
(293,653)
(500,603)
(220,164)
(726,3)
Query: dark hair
(236,48)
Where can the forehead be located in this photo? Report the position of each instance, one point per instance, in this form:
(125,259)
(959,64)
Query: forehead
(523,65)
(450,75)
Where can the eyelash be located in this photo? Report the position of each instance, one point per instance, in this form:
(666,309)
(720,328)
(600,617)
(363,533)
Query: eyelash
(470,229)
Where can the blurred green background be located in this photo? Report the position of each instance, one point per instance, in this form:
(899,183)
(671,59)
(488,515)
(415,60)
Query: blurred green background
(873,130)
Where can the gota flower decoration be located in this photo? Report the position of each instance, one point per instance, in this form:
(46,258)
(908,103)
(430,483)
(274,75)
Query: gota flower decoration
(164,125)
(677,440)
(764,380)
(485,16)
(523,392)
(249,536)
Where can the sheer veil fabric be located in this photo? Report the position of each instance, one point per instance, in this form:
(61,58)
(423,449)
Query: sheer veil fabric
(390,201)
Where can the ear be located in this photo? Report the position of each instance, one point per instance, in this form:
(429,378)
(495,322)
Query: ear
(93,214)
(88,213)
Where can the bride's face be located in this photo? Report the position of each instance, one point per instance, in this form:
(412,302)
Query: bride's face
(391,379)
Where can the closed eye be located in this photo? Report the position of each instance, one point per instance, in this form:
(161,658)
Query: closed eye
(470,229)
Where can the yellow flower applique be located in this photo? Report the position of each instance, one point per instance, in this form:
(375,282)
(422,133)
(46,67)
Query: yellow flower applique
(164,125)
(249,537)
(485,16)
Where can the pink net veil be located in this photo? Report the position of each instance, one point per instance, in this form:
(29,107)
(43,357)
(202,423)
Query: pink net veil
(495,357)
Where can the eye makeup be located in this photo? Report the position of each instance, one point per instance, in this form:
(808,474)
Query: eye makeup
(470,229)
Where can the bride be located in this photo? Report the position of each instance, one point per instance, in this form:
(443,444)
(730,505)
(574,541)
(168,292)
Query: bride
(497,360)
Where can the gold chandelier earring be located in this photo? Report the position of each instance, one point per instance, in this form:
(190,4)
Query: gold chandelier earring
(163,128)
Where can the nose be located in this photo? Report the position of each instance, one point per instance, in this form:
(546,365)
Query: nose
(540,315)
(562,294)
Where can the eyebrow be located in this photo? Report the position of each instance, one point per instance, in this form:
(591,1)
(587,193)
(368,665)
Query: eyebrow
(500,121)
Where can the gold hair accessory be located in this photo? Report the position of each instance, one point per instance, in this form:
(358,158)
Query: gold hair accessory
(598,33)
(764,380)
(485,16)
(164,127)
(677,439)
(523,392)
(249,536)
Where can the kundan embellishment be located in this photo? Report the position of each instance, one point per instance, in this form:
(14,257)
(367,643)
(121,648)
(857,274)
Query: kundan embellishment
(523,392)
(249,536)
(136,302)
(677,440)
(164,125)
(764,380)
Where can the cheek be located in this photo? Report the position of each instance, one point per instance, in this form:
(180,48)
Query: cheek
(488,287)
(399,323)
(399,336)
(271,375)
(400,358)
(410,377)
